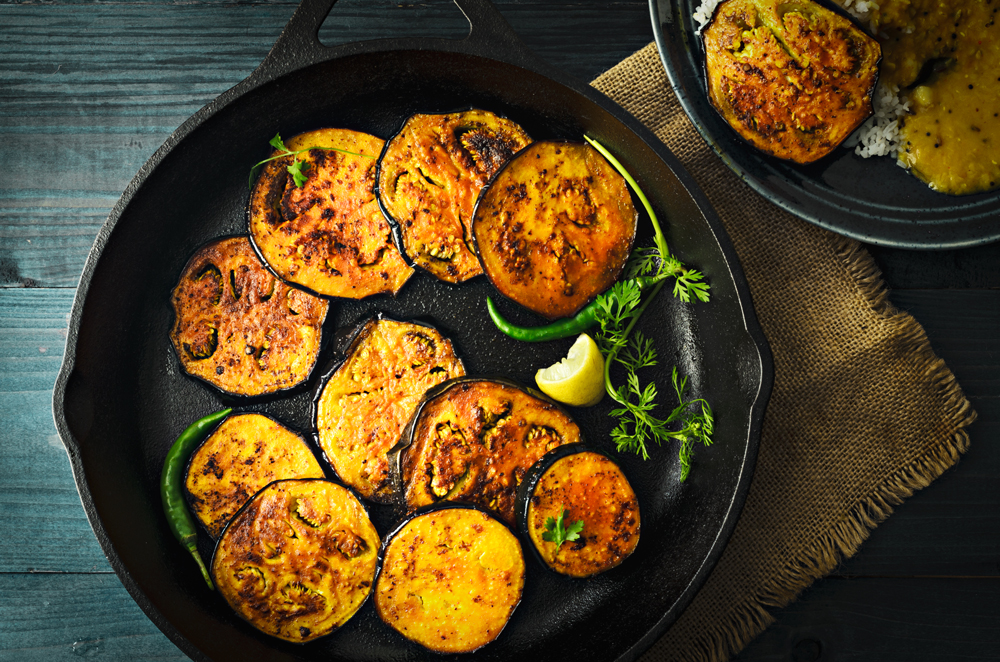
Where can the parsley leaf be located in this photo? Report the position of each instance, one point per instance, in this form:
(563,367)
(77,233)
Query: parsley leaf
(556,531)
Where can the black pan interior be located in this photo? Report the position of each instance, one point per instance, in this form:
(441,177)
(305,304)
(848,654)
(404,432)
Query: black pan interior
(126,399)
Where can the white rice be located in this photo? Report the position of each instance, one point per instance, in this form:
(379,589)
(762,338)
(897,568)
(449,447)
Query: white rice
(703,14)
(879,135)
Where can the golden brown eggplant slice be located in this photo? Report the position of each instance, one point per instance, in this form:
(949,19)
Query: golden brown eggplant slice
(242,455)
(327,235)
(298,560)
(429,177)
(365,404)
(240,329)
(792,78)
(555,227)
(450,579)
(583,486)
(475,439)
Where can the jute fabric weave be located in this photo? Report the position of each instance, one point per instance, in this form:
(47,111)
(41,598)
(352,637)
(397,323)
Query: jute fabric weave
(862,412)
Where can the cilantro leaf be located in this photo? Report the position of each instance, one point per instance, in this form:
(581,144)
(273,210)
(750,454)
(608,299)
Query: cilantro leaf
(295,170)
(558,532)
(618,310)
(298,166)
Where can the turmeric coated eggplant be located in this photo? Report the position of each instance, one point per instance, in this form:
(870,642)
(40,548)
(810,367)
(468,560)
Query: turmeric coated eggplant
(242,455)
(450,579)
(298,560)
(327,235)
(555,227)
(579,485)
(368,400)
(792,78)
(429,177)
(239,328)
(475,439)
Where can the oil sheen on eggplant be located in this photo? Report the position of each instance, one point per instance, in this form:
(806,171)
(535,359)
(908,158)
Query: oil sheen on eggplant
(327,235)
(368,400)
(794,79)
(555,227)
(238,327)
(475,439)
(298,560)
(242,455)
(588,487)
(450,579)
(429,177)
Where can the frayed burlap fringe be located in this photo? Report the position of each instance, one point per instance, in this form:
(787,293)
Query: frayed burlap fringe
(892,416)
(720,640)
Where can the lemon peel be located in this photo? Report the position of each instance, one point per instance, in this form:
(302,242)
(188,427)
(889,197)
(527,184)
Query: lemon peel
(578,379)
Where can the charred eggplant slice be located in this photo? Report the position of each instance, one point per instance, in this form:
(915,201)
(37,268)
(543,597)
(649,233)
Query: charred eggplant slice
(429,177)
(475,439)
(327,235)
(792,78)
(555,227)
(580,486)
(298,560)
(240,329)
(450,579)
(242,455)
(366,402)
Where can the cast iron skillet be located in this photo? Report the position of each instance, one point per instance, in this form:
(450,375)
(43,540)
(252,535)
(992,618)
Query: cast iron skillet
(120,399)
(872,200)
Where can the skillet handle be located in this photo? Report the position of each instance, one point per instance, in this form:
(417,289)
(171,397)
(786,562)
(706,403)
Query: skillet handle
(492,35)
(299,46)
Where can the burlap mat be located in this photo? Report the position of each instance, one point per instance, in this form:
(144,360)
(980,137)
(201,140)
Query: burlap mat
(862,412)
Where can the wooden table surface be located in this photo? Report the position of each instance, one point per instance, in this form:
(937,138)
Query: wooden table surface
(89,91)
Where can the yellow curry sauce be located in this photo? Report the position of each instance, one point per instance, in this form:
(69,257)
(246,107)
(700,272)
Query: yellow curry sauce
(952,138)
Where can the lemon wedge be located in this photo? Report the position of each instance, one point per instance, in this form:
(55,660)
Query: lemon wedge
(578,379)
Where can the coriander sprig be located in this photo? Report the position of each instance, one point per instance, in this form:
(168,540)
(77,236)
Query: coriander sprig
(558,532)
(295,169)
(618,311)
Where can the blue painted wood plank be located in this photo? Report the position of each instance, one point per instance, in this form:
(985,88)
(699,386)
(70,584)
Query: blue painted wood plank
(45,529)
(88,92)
(48,618)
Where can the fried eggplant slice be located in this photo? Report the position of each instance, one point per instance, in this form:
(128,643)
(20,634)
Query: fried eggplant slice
(239,328)
(555,227)
(475,439)
(429,177)
(242,455)
(298,560)
(588,487)
(794,79)
(365,404)
(327,235)
(450,579)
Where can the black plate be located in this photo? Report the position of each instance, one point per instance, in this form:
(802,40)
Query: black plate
(872,200)
(120,398)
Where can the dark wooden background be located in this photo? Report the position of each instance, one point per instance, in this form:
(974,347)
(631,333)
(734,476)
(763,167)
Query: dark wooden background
(89,91)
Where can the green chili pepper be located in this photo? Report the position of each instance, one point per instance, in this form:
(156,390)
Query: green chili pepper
(172,481)
(565,328)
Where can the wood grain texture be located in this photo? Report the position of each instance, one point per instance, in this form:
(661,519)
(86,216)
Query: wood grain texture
(889,620)
(45,528)
(89,91)
(48,618)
